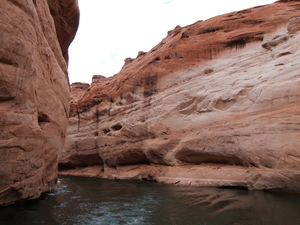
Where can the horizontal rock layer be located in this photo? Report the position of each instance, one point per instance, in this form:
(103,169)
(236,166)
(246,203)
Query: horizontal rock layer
(34,93)
(215,103)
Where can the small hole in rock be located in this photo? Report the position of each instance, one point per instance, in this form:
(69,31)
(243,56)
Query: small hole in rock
(106,130)
(117,126)
(43,118)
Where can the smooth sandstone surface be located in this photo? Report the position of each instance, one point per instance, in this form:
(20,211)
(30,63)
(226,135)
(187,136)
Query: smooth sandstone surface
(34,93)
(215,103)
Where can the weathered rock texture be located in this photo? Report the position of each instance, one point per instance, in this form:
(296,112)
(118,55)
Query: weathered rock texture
(34,93)
(215,103)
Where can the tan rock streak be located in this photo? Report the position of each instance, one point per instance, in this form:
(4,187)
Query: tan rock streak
(34,93)
(215,103)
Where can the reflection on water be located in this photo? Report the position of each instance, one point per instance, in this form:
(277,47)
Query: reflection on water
(79,201)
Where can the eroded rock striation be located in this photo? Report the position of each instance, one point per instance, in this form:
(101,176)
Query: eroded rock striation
(34,93)
(216,103)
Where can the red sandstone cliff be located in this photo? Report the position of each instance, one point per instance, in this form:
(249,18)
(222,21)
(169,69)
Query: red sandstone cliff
(215,103)
(34,93)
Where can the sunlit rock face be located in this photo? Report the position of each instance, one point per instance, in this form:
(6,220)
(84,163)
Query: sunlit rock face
(215,103)
(34,93)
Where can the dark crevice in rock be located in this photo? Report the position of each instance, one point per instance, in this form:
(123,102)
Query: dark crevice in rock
(193,157)
(238,187)
(150,86)
(7,91)
(157,157)
(283,54)
(106,130)
(81,160)
(210,30)
(275,41)
(237,43)
(78,117)
(130,157)
(43,118)
(116,127)
(240,41)
(66,166)
(8,61)
(149,178)
(208,71)
(236,18)
(184,35)
(251,22)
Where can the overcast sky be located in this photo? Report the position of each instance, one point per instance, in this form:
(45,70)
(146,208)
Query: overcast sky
(112,30)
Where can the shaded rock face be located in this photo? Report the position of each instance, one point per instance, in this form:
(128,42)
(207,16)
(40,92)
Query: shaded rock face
(215,103)
(34,93)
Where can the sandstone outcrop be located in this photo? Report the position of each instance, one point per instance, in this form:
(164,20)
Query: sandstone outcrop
(34,93)
(215,103)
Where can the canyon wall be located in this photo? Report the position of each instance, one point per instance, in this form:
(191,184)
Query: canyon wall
(34,93)
(216,103)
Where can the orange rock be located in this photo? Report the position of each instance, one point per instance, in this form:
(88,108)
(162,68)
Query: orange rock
(216,103)
(34,94)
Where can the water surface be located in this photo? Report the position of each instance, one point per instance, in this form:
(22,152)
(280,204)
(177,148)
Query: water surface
(85,201)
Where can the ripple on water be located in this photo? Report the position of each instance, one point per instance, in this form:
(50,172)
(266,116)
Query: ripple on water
(84,201)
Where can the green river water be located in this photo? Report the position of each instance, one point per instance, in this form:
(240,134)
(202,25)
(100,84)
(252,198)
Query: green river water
(85,201)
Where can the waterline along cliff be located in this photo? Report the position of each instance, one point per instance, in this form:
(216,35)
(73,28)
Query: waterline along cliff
(215,103)
(34,93)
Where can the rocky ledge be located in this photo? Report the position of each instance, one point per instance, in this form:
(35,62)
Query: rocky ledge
(215,103)
(34,93)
